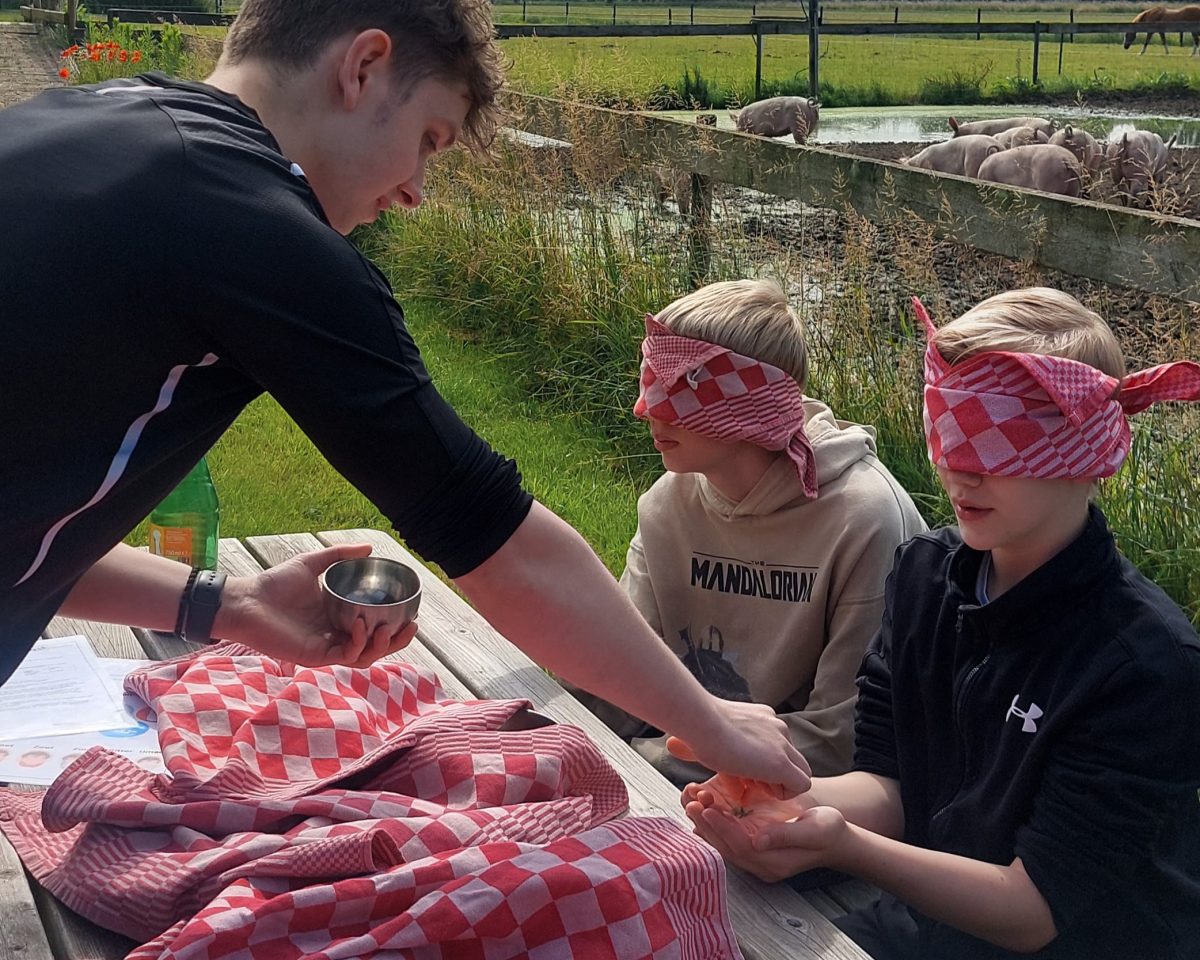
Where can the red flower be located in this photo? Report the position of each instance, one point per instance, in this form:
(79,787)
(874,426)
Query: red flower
(137,56)
(64,73)
(124,56)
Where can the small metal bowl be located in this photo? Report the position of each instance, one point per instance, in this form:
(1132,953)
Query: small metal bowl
(374,589)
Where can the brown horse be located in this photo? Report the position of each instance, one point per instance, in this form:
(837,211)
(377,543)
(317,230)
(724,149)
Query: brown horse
(1161,18)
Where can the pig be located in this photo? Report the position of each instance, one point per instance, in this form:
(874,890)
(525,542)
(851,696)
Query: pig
(1081,143)
(1020,137)
(1138,162)
(959,155)
(1039,166)
(777,116)
(992,127)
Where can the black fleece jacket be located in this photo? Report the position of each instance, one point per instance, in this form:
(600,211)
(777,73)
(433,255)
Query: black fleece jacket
(1060,724)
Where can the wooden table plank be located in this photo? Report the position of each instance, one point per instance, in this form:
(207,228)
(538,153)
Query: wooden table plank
(21,933)
(771,920)
(71,936)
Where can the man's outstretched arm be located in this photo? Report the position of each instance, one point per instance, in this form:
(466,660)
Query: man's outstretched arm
(547,592)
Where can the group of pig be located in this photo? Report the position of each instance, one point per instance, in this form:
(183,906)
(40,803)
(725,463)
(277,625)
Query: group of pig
(1027,152)
(1035,153)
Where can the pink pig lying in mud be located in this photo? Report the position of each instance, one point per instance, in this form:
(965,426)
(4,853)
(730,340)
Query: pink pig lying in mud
(1020,137)
(1041,166)
(777,116)
(959,155)
(992,127)
(1139,162)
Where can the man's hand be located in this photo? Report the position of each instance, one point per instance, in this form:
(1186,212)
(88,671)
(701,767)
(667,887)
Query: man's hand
(749,742)
(279,612)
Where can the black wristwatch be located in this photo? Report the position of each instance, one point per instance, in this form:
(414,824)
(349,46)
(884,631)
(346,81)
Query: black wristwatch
(199,604)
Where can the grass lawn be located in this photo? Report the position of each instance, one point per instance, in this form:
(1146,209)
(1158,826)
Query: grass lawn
(271,479)
(910,12)
(634,68)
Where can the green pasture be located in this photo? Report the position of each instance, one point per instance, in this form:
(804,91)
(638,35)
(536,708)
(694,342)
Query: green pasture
(855,71)
(834,12)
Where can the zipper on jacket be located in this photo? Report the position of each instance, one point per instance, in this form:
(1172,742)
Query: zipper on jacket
(960,698)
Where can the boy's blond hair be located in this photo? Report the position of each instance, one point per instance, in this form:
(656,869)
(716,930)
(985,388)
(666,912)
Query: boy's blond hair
(1036,320)
(750,317)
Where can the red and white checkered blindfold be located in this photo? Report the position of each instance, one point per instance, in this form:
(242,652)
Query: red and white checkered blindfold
(1026,415)
(712,391)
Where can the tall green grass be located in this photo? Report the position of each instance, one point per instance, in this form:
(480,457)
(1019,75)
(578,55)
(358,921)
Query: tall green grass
(553,265)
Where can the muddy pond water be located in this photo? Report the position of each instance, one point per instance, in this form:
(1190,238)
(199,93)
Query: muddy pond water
(928,124)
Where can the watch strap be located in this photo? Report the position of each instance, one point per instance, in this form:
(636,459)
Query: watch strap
(198,608)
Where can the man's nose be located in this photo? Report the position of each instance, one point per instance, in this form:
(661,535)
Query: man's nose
(411,193)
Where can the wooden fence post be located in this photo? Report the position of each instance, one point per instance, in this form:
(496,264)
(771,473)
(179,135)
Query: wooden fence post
(692,14)
(1072,21)
(1061,38)
(758,44)
(978,20)
(523,11)
(669,16)
(72,18)
(614,16)
(699,230)
(895,15)
(566,11)
(814,47)
(1037,39)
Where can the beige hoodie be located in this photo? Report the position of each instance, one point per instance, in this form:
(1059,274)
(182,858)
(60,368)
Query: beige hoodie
(772,599)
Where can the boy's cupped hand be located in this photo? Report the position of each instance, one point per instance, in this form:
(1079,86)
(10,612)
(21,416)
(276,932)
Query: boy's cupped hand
(755,829)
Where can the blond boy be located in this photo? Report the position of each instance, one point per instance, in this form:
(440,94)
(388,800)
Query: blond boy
(761,553)
(1028,727)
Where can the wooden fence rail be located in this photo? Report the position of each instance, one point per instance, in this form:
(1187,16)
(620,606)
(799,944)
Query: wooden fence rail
(1130,248)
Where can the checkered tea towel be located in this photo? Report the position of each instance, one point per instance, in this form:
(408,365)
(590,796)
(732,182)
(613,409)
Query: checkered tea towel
(338,812)
(717,393)
(1027,415)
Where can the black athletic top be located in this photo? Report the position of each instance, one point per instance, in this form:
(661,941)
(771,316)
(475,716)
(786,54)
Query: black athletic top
(1059,723)
(161,265)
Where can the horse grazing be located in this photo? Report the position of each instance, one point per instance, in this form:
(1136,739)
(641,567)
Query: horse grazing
(1160,18)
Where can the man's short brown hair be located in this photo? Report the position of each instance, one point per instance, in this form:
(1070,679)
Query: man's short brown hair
(447,39)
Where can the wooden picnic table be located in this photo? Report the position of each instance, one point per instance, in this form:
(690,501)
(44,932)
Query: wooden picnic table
(772,921)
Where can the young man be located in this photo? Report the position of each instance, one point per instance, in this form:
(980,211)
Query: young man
(761,553)
(1028,726)
(217,270)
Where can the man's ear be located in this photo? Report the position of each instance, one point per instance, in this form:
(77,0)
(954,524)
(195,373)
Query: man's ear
(365,61)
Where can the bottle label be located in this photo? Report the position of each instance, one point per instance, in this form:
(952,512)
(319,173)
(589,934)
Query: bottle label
(174,543)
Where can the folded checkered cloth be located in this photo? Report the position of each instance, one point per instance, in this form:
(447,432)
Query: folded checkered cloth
(336,812)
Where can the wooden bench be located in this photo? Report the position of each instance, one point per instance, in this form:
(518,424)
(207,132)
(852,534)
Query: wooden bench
(772,922)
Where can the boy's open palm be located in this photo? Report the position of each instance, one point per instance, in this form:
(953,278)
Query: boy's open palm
(774,839)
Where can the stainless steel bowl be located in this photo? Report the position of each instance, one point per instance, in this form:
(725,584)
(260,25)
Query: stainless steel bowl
(374,589)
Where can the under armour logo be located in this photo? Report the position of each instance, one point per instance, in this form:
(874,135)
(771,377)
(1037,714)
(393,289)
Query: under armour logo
(1029,717)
